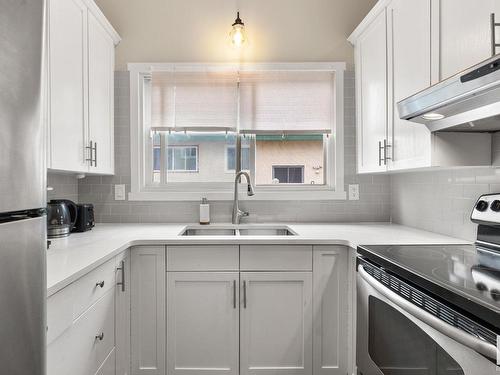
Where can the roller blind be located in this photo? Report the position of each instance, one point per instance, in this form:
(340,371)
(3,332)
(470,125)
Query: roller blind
(194,101)
(286,102)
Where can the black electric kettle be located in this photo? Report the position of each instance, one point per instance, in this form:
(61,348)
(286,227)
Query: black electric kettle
(61,217)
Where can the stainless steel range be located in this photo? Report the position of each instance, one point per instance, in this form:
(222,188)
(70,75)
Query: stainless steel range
(432,309)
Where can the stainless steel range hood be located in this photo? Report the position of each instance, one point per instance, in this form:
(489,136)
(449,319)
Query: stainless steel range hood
(466,102)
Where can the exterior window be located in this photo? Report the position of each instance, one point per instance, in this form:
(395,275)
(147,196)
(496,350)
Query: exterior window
(190,116)
(182,158)
(288,174)
(231,158)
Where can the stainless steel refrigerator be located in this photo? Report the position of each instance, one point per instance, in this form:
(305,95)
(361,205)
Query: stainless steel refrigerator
(22,190)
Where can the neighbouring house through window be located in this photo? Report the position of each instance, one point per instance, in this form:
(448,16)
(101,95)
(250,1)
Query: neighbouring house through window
(191,118)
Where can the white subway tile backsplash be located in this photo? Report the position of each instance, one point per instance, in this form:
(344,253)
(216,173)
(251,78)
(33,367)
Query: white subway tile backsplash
(441,201)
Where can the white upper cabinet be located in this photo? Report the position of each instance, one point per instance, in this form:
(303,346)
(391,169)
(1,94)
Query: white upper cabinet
(67,60)
(465,33)
(409,69)
(101,61)
(371,58)
(414,44)
(80,92)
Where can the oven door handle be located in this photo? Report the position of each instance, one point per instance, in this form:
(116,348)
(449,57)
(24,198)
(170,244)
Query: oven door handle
(462,337)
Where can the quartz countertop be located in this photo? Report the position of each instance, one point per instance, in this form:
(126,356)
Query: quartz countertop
(70,258)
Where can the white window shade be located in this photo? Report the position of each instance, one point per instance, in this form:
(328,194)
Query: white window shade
(194,101)
(286,102)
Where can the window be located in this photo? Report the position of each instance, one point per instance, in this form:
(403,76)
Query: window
(189,117)
(182,158)
(288,174)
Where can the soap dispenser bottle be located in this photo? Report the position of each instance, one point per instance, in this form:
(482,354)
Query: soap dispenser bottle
(204,211)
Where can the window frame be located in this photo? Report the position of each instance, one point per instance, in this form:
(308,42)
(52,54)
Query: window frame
(301,167)
(197,170)
(141,141)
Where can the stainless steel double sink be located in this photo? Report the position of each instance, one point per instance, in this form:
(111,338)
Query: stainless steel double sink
(238,230)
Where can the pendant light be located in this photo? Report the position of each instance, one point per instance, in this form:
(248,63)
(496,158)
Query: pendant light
(237,34)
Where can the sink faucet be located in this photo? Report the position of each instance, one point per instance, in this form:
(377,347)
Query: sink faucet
(237,213)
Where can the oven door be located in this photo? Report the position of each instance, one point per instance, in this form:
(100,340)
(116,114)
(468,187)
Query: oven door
(392,340)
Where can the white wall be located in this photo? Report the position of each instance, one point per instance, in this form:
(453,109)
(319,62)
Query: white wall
(197,30)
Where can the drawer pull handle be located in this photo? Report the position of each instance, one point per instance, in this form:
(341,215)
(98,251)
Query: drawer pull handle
(100,336)
(100,284)
(122,269)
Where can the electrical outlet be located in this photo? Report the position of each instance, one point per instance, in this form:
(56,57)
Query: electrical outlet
(119,192)
(354,192)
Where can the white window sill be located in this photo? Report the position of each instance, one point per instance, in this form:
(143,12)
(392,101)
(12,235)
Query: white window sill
(264,195)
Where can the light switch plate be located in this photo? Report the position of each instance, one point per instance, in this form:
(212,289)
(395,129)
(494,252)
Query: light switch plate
(119,192)
(354,192)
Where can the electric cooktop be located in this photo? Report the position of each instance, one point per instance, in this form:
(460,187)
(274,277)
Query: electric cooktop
(467,276)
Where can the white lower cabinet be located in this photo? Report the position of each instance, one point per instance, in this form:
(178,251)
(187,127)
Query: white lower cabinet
(88,323)
(83,348)
(276,323)
(330,310)
(122,311)
(208,310)
(148,310)
(202,323)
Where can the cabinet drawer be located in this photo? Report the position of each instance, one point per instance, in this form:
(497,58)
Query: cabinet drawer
(89,288)
(275,258)
(202,258)
(78,351)
(59,313)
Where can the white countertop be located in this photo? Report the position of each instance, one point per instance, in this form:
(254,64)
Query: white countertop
(70,258)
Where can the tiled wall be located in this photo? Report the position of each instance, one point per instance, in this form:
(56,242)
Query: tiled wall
(64,186)
(441,201)
(374,204)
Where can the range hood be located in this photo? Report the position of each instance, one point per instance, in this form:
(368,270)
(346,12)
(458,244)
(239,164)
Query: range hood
(466,102)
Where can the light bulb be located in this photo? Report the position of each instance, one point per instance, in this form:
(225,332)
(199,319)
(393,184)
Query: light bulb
(238,35)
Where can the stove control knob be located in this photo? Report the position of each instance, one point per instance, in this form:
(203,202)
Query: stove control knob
(495,205)
(482,206)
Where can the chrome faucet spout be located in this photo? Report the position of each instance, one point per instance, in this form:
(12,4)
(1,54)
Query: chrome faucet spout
(237,213)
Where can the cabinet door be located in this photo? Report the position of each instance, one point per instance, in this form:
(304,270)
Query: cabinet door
(148,310)
(101,96)
(122,310)
(67,44)
(410,72)
(202,323)
(465,33)
(330,314)
(371,94)
(276,323)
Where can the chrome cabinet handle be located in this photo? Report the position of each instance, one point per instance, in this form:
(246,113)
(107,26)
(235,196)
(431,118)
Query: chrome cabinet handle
(380,148)
(234,294)
(122,269)
(91,149)
(100,336)
(386,147)
(244,294)
(100,284)
(95,154)
(493,25)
